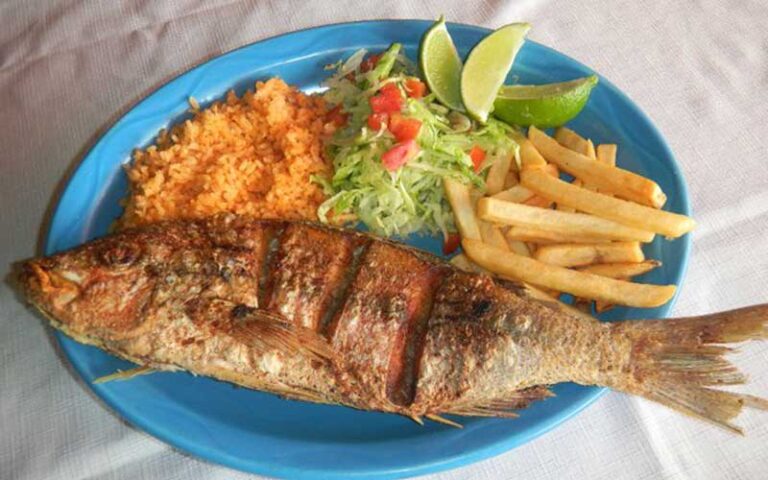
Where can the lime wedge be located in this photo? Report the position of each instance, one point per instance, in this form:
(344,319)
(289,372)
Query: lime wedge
(441,65)
(487,67)
(545,106)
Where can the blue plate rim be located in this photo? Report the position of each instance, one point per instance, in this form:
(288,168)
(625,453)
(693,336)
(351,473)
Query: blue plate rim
(445,463)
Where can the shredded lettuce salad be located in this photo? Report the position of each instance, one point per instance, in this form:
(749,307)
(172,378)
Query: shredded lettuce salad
(410,198)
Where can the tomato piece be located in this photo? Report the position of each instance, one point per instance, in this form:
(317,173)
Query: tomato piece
(388,100)
(399,155)
(337,116)
(377,120)
(477,155)
(404,128)
(451,244)
(382,104)
(370,62)
(390,90)
(415,88)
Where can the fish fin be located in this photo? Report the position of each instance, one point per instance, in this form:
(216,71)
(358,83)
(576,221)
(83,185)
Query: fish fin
(125,374)
(676,362)
(417,419)
(503,407)
(443,420)
(265,331)
(298,393)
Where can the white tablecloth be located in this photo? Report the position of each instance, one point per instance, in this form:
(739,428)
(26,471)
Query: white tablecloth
(699,69)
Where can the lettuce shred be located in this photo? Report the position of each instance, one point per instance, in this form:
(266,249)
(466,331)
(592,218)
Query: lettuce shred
(410,199)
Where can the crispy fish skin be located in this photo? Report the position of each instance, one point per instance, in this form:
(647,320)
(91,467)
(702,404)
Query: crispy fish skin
(334,316)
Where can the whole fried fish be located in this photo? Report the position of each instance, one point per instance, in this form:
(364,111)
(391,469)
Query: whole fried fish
(335,316)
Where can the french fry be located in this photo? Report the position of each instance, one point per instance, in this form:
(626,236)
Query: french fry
(621,211)
(617,181)
(606,153)
(576,255)
(591,150)
(461,261)
(519,247)
(511,179)
(529,156)
(566,280)
(539,201)
(621,270)
(464,263)
(491,234)
(572,140)
(463,208)
(577,224)
(516,194)
(546,237)
(494,182)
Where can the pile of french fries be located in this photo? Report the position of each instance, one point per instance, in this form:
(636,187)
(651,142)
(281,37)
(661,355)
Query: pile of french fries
(582,237)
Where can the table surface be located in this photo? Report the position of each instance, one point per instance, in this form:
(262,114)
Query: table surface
(698,68)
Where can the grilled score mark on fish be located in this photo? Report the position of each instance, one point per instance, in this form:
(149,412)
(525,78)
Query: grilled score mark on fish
(334,316)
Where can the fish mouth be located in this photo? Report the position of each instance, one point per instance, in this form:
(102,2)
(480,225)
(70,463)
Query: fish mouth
(40,282)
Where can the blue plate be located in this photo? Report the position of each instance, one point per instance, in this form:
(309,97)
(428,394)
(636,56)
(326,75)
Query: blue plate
(260,433)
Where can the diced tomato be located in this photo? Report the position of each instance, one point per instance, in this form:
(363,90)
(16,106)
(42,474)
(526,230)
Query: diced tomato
(370,62)
(452,242)
(337,116)
(477,155)
(399,155)
(404,128)
(388,100)
(415,88)
(390,90)
(377,120)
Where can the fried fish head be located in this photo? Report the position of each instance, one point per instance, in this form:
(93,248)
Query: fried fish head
(99,290)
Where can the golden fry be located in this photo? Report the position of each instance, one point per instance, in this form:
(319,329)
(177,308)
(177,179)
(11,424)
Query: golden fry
(617,181)
(461,261)
(463,208)
(576,224)
(606,153)
(529,156)
(494,182)
(546,237)
(621,270)
(491,234)
(519,247)
(591,150)
(516,194)
(571,140)
(622,211)
(539,201)
(566,280)
(576,255)
(511,179)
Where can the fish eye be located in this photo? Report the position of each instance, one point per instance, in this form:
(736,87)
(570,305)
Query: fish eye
(119,254)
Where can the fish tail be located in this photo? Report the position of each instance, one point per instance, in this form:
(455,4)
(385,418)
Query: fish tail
(677,362)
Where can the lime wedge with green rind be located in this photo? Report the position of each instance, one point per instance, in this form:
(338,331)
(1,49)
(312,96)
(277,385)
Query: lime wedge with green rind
(487,66)
(544,106)
(441,65)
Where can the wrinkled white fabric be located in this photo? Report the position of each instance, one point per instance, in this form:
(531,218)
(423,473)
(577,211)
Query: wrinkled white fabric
(698,68)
